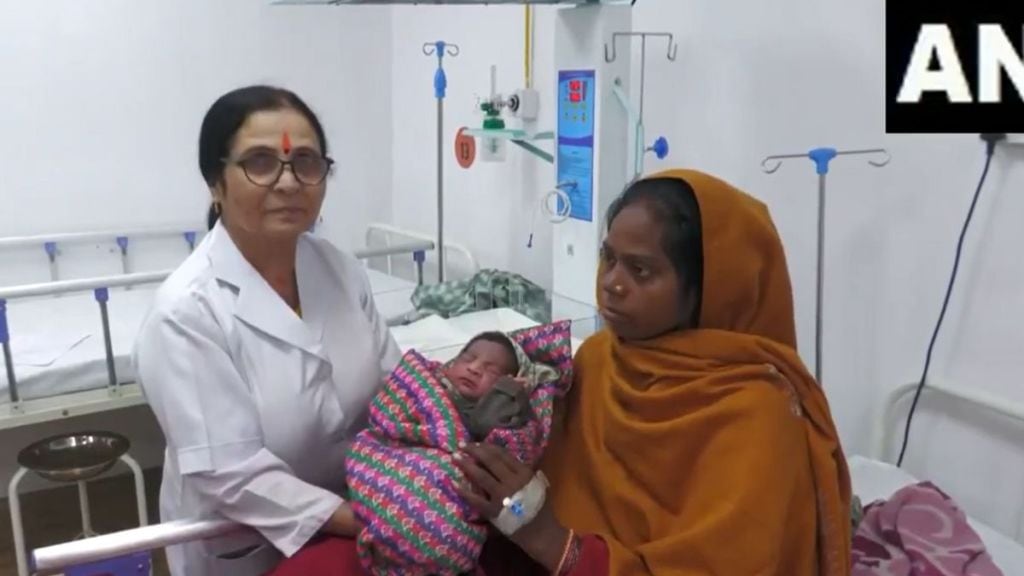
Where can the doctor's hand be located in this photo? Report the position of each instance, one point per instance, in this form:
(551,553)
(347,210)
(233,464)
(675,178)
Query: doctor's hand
(493,475)
(343,522)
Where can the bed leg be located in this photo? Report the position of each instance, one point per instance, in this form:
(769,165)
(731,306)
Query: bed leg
(5,342)
(419,257)
(12,383)
(51,255)
(122,243)
(102,295)
(17,528)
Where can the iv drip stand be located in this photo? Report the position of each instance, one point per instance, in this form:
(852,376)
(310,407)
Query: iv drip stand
(439,49)
(636,118)
(821,158)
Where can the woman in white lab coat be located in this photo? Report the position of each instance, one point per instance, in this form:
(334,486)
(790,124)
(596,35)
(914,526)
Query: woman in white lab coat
(263,350)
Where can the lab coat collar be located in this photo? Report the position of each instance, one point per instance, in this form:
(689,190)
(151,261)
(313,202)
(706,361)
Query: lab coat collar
(259,306)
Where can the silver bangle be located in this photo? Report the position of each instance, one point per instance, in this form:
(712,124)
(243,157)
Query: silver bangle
(521,508)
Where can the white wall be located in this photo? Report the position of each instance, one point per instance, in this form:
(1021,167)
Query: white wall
(103,100)
(755,78)
(102,105)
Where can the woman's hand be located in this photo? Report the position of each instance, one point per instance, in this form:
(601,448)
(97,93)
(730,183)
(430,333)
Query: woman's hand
(343,522)
(494,475)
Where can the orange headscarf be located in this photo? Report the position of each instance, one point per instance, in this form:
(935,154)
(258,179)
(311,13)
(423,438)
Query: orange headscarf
(709,451)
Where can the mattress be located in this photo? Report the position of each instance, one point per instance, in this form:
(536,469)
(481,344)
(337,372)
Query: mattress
(58,347)
(381,283)
(393,296)
(874,480)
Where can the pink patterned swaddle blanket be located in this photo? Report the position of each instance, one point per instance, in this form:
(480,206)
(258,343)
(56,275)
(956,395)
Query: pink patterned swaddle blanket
(400,472)
(919,531)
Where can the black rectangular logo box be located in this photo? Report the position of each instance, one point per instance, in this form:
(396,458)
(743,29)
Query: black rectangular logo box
(954,66)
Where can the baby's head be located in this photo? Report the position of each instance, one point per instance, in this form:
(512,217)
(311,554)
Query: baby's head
(487,357)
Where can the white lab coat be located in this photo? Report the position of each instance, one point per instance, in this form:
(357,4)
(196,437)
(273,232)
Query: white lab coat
(256,404)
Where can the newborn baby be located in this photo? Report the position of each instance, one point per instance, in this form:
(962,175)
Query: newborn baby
(482,385)
(400,471)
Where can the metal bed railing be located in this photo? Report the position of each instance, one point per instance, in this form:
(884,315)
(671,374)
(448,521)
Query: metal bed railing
(977,402)
(52,243)
(56,558)
(894,404)
(417,245)
(391,236)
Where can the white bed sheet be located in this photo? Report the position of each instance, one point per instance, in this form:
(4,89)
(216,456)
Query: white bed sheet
(381,283)
(57,342)
(874,480)
(393,296)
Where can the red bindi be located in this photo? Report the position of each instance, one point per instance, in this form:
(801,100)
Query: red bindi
(286,143)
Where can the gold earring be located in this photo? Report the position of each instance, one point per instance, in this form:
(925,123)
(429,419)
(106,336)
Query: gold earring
(216,207)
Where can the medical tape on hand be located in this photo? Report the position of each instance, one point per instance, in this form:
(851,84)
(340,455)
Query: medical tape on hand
(522,507)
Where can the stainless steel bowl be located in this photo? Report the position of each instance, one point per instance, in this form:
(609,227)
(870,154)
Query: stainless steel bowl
(74,457)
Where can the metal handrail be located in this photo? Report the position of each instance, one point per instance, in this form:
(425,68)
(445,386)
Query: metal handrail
(122,280)
(75,237)
(54,559)
(82,285)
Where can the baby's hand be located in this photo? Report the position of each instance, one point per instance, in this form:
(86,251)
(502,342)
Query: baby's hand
(510,382)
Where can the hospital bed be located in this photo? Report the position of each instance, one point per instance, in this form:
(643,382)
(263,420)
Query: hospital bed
(397,277)
(872,477)
(70,341)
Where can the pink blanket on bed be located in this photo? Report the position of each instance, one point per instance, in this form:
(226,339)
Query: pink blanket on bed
(920,531)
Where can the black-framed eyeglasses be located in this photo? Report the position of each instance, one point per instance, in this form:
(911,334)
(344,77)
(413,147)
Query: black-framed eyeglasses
(265,168)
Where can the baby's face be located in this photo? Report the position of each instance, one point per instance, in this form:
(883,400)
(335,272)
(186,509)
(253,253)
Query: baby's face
(478,367)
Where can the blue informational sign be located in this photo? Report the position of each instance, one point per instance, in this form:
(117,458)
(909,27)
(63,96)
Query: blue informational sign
(575,141)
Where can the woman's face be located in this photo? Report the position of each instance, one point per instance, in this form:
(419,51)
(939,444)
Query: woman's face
(285,208)
(639,293)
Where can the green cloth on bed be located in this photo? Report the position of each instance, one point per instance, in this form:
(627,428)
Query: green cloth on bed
(486,290)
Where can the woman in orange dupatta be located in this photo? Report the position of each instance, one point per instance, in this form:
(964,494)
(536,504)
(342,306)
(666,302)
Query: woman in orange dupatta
(694,442)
